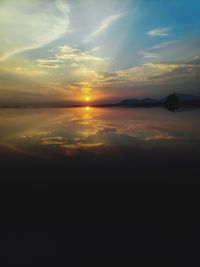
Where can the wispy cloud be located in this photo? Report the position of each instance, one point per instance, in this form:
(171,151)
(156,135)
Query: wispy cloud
(103,26)
(152,53)
(19,33)
(176,72)
(74,54)
(159,31)
(164,44)
(151,73)
(149,55)
(48,63)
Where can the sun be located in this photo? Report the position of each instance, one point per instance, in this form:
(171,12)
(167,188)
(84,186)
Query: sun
(87,98)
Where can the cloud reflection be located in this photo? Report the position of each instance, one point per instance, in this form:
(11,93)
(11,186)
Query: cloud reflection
(54,132)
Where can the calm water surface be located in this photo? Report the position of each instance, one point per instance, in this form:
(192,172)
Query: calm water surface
(126,140)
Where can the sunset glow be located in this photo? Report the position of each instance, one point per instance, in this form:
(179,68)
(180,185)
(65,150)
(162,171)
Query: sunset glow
(78,49)
(99,99)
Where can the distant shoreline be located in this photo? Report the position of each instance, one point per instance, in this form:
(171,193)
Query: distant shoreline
(181,100)
(195,105)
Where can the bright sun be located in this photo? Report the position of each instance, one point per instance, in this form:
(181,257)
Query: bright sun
(87,98)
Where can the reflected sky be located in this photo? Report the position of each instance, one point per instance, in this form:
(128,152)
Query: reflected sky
(55,132)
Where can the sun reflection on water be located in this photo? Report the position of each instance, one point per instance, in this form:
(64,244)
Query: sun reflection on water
(70,131)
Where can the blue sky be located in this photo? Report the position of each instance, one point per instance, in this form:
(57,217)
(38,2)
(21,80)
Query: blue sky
(64,50)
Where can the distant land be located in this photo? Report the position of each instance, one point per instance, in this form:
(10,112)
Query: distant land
(180,101)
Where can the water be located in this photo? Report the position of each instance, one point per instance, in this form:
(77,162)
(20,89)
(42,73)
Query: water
(100,143)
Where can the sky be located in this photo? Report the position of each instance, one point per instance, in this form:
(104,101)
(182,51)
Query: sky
(71,51)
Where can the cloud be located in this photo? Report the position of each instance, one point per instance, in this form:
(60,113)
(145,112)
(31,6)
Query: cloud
(160,137)
(151,73)
(164,44)
(103,26)
(26,25)
(48,63)
(130,76)
(107,74)
(159,32)
(149,55)
(171,66)
(181,72)
(75,54)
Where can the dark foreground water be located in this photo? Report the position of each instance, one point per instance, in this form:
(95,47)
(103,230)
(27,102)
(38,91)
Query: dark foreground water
(99,187)
(87,146)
